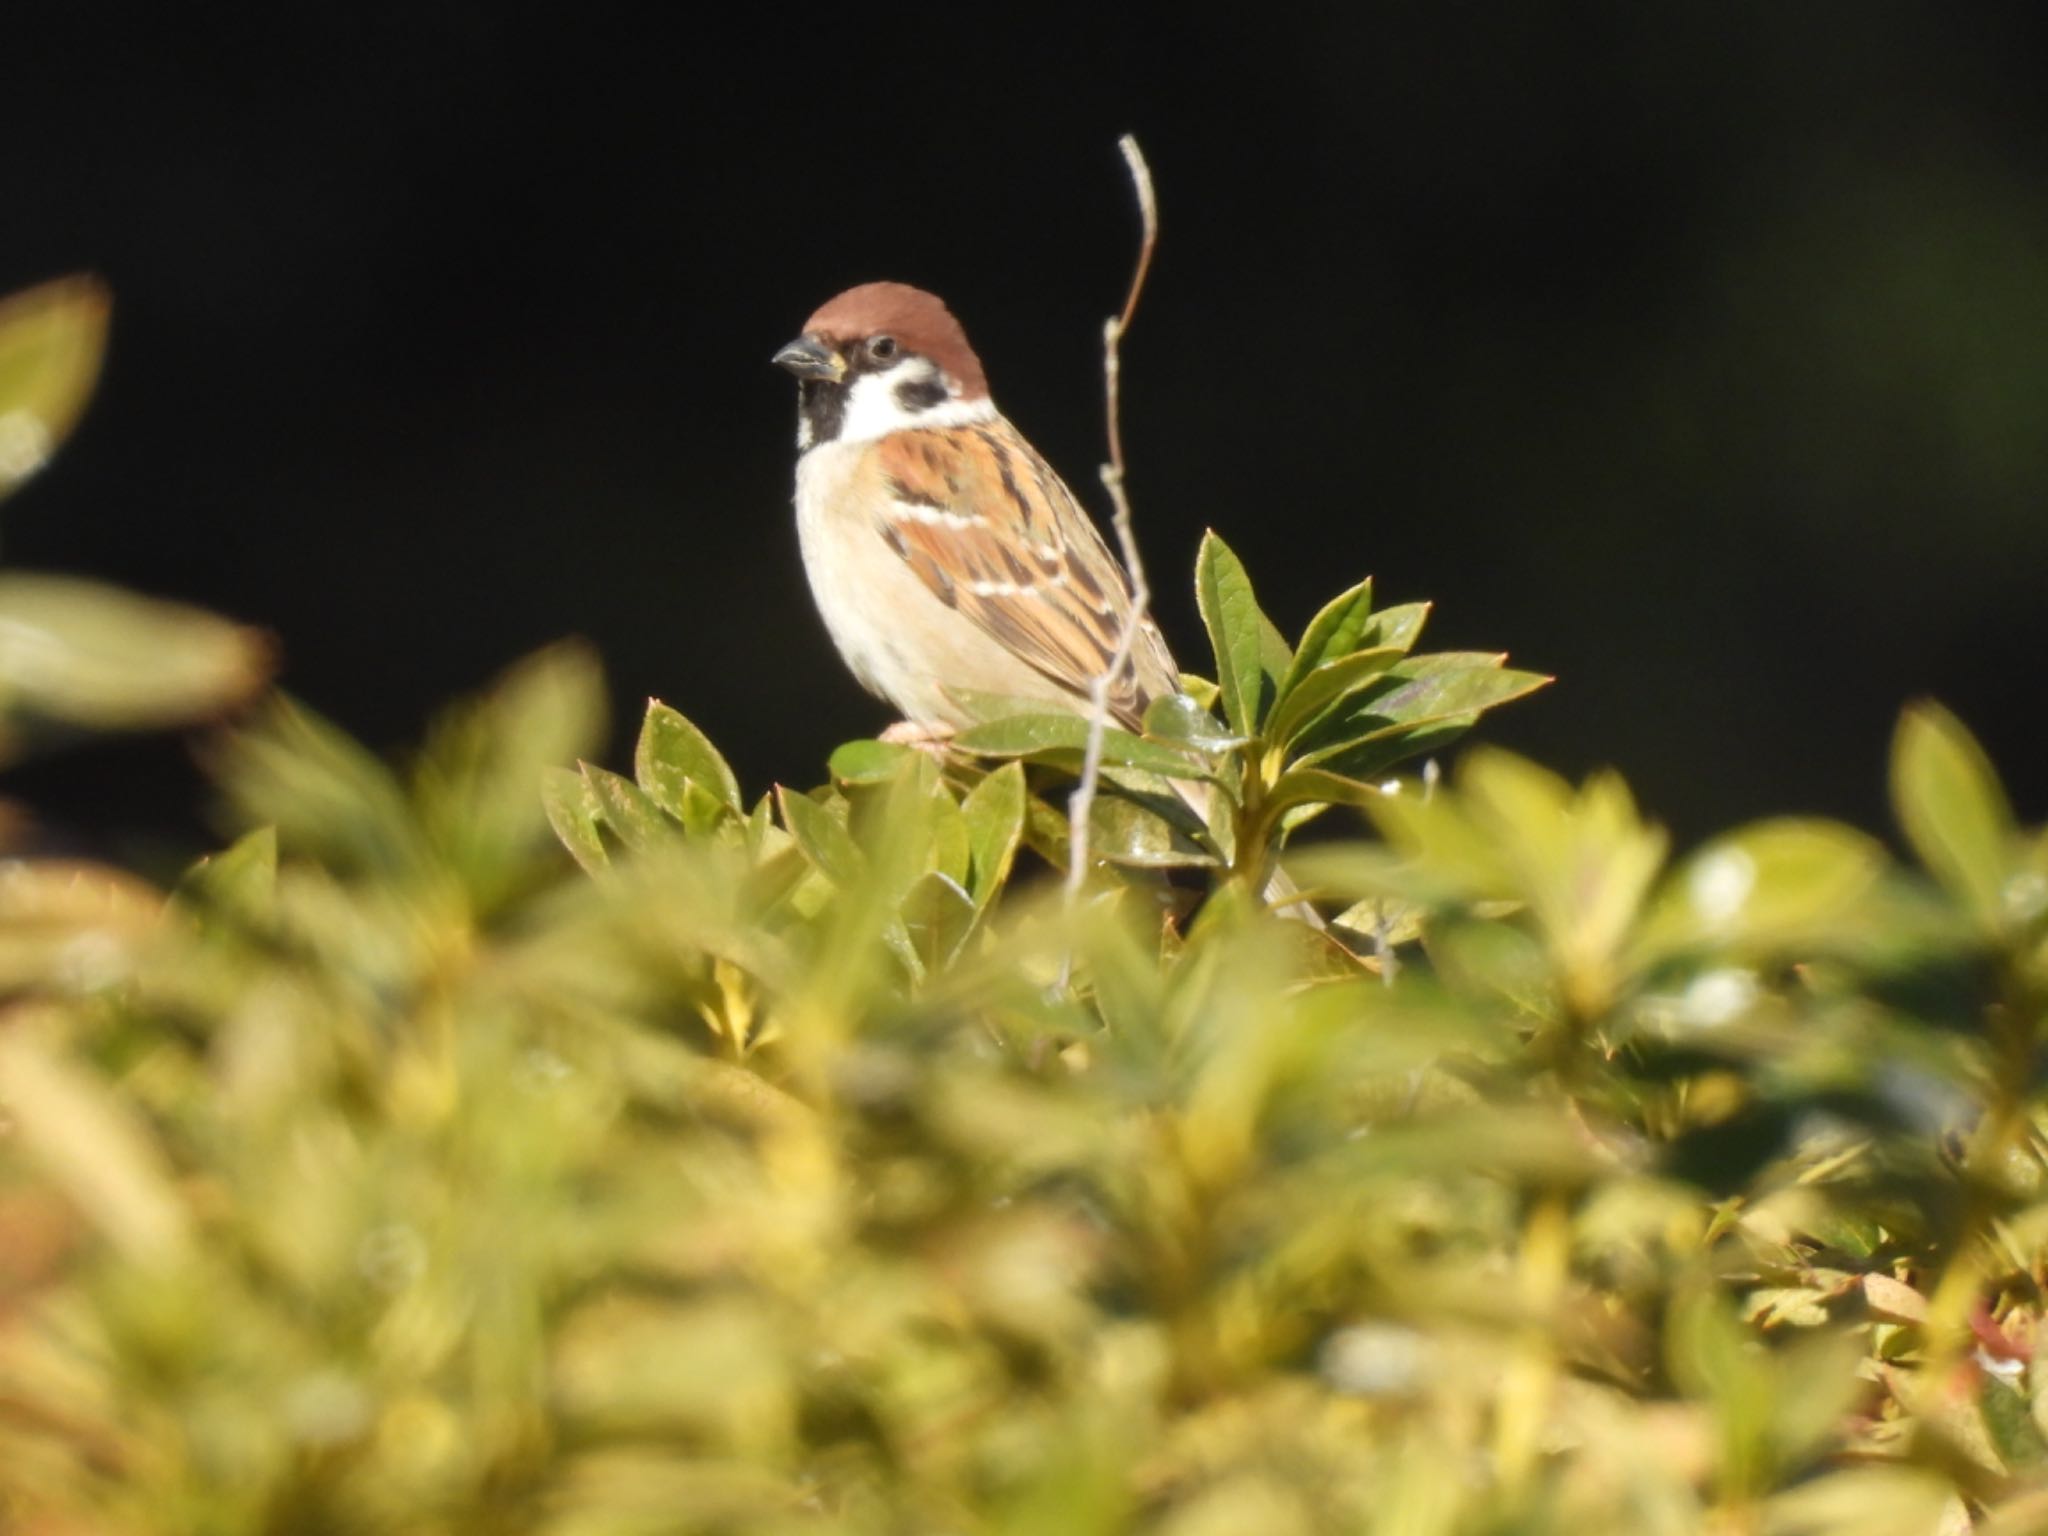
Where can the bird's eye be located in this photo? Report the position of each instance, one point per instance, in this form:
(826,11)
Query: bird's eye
(881,348)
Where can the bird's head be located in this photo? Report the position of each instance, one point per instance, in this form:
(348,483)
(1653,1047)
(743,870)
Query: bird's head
(882,358)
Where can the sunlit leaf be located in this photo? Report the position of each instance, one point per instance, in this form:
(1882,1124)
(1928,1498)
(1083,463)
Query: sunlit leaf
(51,340)
(1447,689)
(1399,626)
(937,914)
(1311,786)
(1177,717)
(241,879)
(1061,739)
(1125,832)
(1326,685)
(1953,809)
(76,653)
(1240,634)
(94,1147)
(671,753)
(323,792)
(475,784)
(576,814)
(822,837)
(994,813)
(1333,632)
(1781,884)
(628,809)
(867,762)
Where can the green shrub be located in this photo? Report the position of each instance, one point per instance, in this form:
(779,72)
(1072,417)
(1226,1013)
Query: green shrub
(812,1163)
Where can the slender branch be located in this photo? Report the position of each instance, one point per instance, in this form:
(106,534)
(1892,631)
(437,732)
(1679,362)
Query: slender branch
(1082,802)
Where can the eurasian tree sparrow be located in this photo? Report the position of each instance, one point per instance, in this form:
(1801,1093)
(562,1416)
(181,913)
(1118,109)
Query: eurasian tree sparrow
(944,552)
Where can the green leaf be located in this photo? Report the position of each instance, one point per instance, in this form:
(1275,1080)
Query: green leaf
(473,786)
(1314,786)
(1126,832)
(981,707)
(1954,810)
(937,915)
(628,810)
(79,653)
(994,813)
(241,879)
(824,841)
(1370,760)
(323,792)
(1399,626)
(671,753)
(1244,640)
(1061,739)
(1317,690)
(952,844)
(867,761)
(1450,687)
(576,814)
(51,341)
(94,1144)
(1334,632)
(1784,885)
(1178,718)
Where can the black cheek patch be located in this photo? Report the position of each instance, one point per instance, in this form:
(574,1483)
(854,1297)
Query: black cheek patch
(823,406)
(919,394)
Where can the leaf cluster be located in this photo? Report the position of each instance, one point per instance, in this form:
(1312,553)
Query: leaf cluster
(805,1161)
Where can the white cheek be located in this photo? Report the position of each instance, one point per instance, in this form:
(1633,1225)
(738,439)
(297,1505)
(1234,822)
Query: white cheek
(872,409)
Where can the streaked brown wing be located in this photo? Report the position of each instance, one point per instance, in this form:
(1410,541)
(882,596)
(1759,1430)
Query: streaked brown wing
(986,524)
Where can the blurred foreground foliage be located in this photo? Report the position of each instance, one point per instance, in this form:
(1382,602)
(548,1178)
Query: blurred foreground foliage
(806,1163)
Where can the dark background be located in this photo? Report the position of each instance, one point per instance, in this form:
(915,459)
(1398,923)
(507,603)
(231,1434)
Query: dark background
(1696,354)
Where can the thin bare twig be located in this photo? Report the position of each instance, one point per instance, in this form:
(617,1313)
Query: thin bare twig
(1082,802)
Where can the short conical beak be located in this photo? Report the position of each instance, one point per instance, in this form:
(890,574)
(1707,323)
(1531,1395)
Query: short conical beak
(809,358)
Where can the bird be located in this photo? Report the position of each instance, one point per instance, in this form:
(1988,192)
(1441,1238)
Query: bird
(946,556)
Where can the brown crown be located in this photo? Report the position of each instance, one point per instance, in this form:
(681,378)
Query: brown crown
(919,321)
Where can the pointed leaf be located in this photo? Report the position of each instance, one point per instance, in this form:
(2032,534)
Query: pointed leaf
(86,654)
(1325,686)
(1125,832)
(1781,885)
(672,752)
(994,813)
(1953,809)
(1332,633)
(627,809)
(1244,640)
(1061,739)
(94,1145)
(1178,718)
(824,841)
(981,707)
(1399,626)
(323,791)
(575,812)
(240,879)
(937,915)
(1373,758)
(1451,687)
(868,762)
(51,340)
(1314,786)
(473,785)
(952,844)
